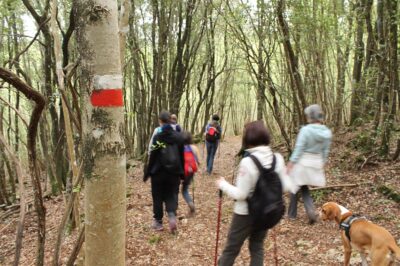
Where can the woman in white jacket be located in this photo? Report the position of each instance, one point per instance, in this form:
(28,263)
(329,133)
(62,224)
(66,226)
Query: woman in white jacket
(256,141)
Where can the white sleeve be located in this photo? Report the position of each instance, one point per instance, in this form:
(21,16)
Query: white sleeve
(280,169)
(244,184)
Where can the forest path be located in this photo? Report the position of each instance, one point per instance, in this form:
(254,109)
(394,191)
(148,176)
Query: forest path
(298,243)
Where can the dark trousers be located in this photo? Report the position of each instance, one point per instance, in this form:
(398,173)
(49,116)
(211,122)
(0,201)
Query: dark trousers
(211,151)
(308,204)
(185,189)
(241,229)
(164,189)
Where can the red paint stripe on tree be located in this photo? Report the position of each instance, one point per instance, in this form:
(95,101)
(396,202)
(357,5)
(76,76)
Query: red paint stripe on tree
(107,98)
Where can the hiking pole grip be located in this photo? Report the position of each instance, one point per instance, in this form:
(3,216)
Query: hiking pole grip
(220,193)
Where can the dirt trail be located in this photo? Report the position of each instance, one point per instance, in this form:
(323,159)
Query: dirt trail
(298,243)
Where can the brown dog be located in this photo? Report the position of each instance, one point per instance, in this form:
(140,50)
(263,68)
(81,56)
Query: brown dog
(362,235)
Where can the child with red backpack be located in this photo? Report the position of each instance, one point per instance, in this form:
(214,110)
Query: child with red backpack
(191,155)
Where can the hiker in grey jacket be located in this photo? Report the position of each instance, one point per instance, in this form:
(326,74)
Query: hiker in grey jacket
(306,166)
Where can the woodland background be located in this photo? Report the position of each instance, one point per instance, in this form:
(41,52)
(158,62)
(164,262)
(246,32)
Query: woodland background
(244,60)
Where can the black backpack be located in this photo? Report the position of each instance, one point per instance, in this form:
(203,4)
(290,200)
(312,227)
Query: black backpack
(170,159)
(266,205)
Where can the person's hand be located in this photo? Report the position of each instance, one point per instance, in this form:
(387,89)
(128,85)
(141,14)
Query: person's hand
(289,167)
(219,181)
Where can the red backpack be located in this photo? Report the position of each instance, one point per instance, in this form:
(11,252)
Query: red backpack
(190,161)
(212,134)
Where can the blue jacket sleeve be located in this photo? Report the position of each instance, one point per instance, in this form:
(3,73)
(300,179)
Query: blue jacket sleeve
(325,152)
(300,145)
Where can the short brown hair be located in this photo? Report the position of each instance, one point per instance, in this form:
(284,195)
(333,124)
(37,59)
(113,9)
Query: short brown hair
(255,134)
(187,138)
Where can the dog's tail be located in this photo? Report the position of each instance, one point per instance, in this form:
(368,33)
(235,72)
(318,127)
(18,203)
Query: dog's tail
(395,249)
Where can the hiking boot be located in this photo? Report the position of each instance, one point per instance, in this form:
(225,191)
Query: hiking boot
(157,226)
(172,224)
(191,208)
(312,217)
(312,220)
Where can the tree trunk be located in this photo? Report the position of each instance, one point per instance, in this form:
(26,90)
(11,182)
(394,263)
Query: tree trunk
(342,62)
(261,79)
(73,163)
(103,152)
(357,93)
(292,65)
(4,199)
(389,99)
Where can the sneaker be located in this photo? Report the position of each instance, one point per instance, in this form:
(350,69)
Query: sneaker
(157,226)
(172,224)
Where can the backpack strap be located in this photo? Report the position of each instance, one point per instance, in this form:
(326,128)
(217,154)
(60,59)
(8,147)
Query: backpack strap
(260,167)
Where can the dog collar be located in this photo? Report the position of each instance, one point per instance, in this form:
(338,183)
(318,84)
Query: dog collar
(346,224)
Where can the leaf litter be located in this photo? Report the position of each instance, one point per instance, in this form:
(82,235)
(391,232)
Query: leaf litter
(297,242)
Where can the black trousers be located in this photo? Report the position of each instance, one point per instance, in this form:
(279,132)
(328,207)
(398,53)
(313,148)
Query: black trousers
(241,229)
(164,190)
(308,204)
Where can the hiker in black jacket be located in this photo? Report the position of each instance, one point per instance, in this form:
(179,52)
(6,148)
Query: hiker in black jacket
(165,168)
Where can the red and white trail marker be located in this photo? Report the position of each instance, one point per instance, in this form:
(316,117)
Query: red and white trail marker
(107,91)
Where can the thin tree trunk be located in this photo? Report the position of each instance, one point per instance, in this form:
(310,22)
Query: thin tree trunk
(357,93)
(292,65)
(3,188)
(77,248)
(389,100)
(342,61)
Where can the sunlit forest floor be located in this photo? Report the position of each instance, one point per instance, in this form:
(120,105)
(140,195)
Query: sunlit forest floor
(297,242)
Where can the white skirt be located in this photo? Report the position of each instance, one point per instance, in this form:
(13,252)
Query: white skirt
(309,170)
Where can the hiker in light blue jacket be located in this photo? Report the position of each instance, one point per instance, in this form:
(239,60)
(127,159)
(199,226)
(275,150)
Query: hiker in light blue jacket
(306,165)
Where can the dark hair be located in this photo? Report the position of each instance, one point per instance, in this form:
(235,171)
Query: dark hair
(187,138)
(165,117)
(215,117)
(255,134)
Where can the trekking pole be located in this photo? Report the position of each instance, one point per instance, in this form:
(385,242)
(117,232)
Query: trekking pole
(204,147)
(193,190)
(218,227)
(219,148)
(275,247)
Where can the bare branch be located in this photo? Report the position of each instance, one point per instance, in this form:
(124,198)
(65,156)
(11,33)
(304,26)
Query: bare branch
(40,101)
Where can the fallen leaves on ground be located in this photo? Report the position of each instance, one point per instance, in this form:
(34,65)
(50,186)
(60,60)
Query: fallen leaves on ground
(297,243)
